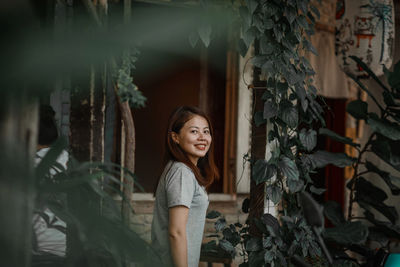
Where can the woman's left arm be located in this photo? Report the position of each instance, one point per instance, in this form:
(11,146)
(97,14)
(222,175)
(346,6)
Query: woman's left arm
(178,217)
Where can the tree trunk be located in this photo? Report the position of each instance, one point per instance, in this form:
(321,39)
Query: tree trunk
(130,145)
(129,159)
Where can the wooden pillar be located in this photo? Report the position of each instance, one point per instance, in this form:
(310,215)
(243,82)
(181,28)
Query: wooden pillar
(258,148)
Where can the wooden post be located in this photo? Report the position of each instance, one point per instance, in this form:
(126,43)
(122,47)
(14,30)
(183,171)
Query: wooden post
(258,148)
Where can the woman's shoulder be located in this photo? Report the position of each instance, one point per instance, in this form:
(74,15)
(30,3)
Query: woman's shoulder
(179,166)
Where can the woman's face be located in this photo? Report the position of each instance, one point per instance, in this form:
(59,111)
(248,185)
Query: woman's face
(194,138)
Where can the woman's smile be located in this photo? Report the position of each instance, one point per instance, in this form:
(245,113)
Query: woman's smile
(194,138)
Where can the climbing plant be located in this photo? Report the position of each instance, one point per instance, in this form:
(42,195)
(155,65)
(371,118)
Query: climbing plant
(281,30)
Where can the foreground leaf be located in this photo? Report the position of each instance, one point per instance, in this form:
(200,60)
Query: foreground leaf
(348,233)
(308,139)
(336,137)
(274,193)
(333,211)
(358,109)
(384,127)
(289,168)
(387,178)
(262,171)
(322,158)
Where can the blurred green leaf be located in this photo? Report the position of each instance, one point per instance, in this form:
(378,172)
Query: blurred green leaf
(251,5)
(369,71)
(384,127)
(321,158)
(213,214)
(368,195)
(193,38)
(270,109)
(205,34)
(308,138)
(387,150)
(289,168)
(358,109)
(348,233)
(316,190)
(386,176)
(333,211)
(289,115)
(262,171)
(394,77)
(335,136)
(274,193)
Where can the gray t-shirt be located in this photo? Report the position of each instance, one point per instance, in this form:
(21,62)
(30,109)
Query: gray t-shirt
(178,186)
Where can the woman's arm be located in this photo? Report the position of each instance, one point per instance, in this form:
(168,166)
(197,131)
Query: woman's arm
(178,216)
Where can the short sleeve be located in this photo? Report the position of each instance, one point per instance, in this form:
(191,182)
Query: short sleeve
(180,186)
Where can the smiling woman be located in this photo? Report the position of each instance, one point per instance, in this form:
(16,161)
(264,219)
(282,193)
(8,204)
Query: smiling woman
(181,200)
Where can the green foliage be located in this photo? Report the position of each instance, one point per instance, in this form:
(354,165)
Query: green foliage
(127,90)
(72,195)
(383,142)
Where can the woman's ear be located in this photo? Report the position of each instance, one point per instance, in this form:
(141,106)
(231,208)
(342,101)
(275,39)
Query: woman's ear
(174,137)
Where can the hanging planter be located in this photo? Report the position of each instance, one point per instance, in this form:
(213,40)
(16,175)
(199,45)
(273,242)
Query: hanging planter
(364,28)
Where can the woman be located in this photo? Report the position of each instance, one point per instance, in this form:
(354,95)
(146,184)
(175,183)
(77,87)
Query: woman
(181,200)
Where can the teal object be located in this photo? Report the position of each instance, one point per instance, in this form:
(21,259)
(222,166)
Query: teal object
(393,260)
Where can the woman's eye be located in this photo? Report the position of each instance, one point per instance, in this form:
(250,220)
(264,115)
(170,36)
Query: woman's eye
(207,132)
(194,131)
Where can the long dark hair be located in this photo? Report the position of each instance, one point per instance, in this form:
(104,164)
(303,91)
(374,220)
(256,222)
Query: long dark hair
(48,132)
(206,171)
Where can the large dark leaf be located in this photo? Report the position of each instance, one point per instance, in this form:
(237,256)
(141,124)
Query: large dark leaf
(213,214)
(242,48)
(295,185)
(348,233)
(227,246)
(289,115)
(358,109)
(387,150)
(274,193)
(308,138)
(364,88)
(220,224)
(321,158)
(262,171)
(369,71)
(387,177)
(335,136)
(366,189)
(250,35)
(270,109)
(271,221)
(368,195)
(394,77)
(387,228)
(289,168)
(334,213)
(384,127)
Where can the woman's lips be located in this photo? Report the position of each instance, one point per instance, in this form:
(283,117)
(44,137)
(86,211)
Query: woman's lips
(201,147)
